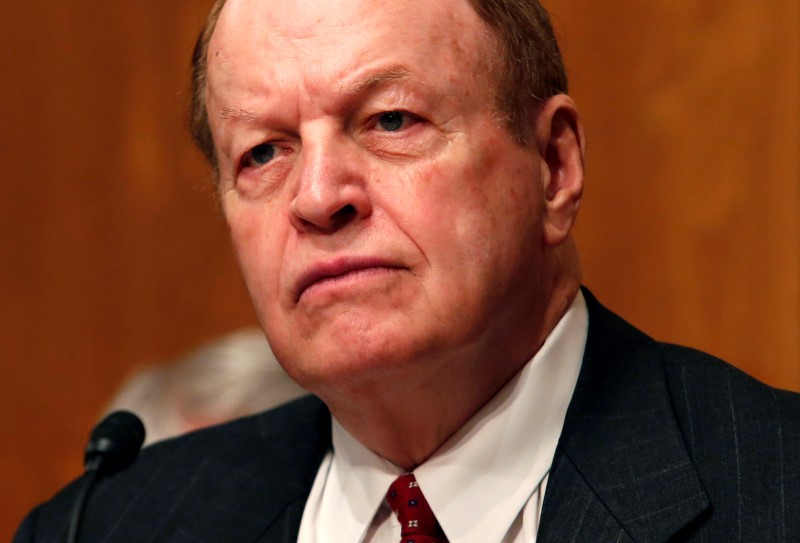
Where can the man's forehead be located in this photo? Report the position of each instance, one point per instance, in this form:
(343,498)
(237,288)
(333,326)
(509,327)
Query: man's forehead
(262,46)
(270,18)
(274,23)
(360,85)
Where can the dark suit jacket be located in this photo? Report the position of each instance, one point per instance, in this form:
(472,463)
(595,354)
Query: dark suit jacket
(661,443)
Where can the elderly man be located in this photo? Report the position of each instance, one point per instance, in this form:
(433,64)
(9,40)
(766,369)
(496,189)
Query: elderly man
(400,179)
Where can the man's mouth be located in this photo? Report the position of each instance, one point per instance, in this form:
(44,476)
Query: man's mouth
(341,269)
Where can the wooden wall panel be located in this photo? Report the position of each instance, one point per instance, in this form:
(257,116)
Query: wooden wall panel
(691,220)
(114,255)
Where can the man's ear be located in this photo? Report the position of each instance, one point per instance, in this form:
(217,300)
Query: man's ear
(561,146)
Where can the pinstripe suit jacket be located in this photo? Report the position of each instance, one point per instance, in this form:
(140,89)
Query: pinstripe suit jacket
(660,444)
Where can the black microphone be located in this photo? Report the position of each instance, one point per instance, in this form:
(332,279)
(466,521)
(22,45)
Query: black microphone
(113,445)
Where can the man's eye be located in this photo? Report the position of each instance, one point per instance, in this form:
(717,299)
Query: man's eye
(260,154)
(392,121)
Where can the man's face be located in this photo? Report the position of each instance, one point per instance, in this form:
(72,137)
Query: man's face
(380,211)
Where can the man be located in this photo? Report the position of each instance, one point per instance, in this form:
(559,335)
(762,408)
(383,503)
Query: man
(400,180)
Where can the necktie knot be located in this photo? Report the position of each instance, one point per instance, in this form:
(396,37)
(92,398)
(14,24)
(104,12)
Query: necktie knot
(417,522)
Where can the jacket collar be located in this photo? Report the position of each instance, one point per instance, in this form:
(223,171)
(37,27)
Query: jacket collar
(621,471)
(263,500)
(621,468)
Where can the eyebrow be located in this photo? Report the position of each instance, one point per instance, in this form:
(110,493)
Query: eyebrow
(238,114)
(392,73)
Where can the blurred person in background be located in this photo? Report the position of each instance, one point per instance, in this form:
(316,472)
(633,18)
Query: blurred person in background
(230,377)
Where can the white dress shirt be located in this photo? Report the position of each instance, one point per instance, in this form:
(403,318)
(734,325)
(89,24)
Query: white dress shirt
(485,484)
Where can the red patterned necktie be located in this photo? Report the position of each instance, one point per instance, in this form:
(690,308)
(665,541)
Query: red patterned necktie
(417,523)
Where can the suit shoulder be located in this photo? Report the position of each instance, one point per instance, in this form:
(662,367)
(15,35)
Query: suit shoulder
(742,435)
(176,478)
(721,406)
(274,428)
(277,423)
(709,370)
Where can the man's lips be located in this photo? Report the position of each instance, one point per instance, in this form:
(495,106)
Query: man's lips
(338,268)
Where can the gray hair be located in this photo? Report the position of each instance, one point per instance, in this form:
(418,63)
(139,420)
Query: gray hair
(234,376)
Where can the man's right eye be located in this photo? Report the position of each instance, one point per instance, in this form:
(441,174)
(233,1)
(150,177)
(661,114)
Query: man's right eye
(260,155)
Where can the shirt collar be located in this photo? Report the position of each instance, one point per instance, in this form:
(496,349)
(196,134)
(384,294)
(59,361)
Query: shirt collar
(481,478)
(363,477)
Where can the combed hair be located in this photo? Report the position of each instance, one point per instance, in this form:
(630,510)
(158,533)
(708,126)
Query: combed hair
(530,68)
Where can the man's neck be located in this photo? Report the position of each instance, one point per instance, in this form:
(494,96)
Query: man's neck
(406,415)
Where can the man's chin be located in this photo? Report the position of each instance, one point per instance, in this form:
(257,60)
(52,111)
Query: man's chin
(353,366)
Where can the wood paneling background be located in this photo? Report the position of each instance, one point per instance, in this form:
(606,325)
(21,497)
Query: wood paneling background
(114,255)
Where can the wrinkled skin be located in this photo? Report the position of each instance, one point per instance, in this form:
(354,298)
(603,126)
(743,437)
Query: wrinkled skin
(390,231)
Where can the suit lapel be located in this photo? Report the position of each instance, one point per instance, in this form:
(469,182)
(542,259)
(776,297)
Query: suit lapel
(286,526)
(267,481)
(573,512)
(621,467)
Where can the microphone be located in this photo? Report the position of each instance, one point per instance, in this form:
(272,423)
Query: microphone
(113,445)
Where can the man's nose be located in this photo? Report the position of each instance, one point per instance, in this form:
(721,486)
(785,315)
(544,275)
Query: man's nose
(331,191)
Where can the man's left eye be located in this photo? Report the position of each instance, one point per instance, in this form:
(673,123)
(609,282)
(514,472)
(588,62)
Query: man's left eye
(392,121)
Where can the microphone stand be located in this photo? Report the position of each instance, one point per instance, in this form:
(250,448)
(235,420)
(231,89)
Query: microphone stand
(113,446)
(80,502)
